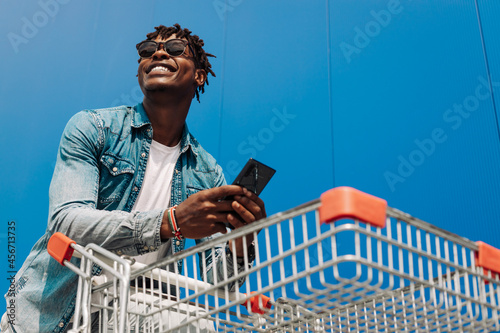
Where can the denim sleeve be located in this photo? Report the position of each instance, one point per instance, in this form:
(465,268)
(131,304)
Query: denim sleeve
(73,196)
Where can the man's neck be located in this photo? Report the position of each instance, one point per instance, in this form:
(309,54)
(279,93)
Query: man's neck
(167,117)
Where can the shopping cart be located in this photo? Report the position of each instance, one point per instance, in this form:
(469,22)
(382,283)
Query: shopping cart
(342,263)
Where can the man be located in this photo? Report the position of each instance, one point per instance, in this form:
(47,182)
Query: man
(119,174)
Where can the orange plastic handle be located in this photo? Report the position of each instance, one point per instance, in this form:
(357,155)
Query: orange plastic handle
(254,306)
(59,247)
(347,202)
(488,257)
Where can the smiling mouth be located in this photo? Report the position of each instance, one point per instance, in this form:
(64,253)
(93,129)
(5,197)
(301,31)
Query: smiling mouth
(159,69)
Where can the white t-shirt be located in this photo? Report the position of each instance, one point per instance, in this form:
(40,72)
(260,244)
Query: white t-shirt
(156,190)
(154,194)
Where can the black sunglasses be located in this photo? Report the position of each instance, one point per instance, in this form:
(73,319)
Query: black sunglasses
(173,47)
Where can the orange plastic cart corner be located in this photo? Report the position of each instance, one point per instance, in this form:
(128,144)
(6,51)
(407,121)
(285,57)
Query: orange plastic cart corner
(254,305)
(59,247)
(488,257)
(347,202)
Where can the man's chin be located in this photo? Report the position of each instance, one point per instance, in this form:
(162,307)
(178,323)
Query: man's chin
(156,89)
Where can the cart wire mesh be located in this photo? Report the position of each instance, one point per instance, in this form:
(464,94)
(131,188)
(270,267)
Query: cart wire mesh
(349,268)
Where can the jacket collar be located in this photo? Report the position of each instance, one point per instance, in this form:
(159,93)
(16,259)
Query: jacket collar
(188,141)
(140,119)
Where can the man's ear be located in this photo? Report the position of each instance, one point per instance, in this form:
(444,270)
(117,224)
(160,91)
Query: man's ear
(200,76)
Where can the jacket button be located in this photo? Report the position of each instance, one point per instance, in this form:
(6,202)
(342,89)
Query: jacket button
(115,169)
(178,243)
(61,324)
(143,154)
(146,247)
(136,189)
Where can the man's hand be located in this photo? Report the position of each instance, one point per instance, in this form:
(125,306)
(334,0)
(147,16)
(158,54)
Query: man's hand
(205,213)
(250,208)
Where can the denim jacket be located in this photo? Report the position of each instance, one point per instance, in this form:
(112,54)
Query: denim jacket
(98,175)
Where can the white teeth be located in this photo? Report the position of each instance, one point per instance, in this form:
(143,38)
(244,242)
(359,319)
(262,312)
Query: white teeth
(160,68)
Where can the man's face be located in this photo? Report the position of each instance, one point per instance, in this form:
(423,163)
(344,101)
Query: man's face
(162,72)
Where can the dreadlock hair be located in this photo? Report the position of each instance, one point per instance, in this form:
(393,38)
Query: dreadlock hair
(196,43)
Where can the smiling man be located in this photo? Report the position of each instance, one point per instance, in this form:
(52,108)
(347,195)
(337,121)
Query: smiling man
(133,180)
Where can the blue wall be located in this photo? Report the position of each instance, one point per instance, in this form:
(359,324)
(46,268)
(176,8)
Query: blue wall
(396,98)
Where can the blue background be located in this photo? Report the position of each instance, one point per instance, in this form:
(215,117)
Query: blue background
(329,93)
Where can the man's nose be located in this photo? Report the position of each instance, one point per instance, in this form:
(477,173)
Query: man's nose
(161,53)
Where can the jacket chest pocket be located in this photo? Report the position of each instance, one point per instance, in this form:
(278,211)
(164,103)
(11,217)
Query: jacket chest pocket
(199,180)
(192,189)
(116,175)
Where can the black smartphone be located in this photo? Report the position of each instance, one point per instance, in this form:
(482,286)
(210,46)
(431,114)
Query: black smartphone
(254,177)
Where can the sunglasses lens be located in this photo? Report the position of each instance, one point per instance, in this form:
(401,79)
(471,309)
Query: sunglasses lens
(175,47)
(147,49)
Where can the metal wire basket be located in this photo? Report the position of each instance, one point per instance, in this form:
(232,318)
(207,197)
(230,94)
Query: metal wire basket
(342,263)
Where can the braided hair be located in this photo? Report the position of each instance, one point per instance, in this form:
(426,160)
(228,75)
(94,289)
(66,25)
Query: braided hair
(196,43)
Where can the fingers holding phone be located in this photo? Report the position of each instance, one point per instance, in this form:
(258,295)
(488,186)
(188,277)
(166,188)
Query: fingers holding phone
(253,178)
(249,208)
(204,213)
